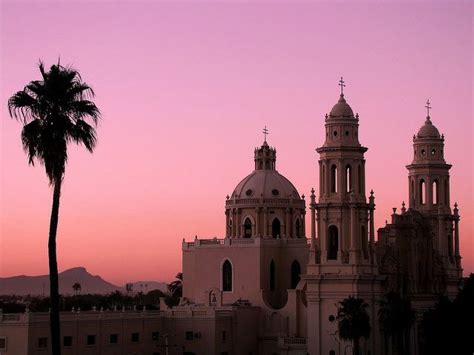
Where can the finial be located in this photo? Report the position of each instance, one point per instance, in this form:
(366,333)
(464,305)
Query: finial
(403,207)
(371,192)
(342,85)
(357,115)
(394,210)
(227,197)
(326,116)
(265,133)
(312,191)
(303,196)
(428,108)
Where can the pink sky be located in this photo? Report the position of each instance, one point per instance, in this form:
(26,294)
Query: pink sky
(185,89)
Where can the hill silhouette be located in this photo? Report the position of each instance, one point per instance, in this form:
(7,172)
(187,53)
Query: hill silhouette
(94,284)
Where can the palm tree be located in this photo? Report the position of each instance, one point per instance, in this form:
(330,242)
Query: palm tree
(76,287)
(353,321)
(176,287)
(53,112)
(396,318)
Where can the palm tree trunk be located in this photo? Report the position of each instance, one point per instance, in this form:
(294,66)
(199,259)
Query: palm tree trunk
(53,271)
(356,346)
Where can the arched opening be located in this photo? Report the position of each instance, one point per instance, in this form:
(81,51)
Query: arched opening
(272,276)
(276,228)
(227,276)
(323,180)
(333,178)
(422,192)
(359,178)
(348,178)
(247,228)
(298,228)
(295,273)
(333,242)
(434,192)
(363,242)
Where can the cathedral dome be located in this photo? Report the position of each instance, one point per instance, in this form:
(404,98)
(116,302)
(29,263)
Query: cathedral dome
(428,130)
(341,109)
(265,184)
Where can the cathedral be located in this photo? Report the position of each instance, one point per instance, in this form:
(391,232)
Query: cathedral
(273,285)
(294,277)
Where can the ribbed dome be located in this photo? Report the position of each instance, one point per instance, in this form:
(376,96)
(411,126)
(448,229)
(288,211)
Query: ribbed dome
(428,130)
(341,109)
(265,184)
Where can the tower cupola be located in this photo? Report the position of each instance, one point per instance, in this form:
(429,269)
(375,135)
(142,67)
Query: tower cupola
(265,157)
(428,172)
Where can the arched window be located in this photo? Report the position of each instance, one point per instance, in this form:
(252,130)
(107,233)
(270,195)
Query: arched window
(295,274)
(333,178)
(363,242)
(298,228)
(333,242)
(272,276)
(348,178)
(247,228)
(422,192)
(359,178)
(323,180)
(227,276)
(434,192)
(276,228)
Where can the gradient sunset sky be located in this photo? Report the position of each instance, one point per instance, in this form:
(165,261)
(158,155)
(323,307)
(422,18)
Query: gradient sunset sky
(185,89)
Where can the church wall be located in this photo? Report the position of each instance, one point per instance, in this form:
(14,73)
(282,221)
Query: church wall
(203,265)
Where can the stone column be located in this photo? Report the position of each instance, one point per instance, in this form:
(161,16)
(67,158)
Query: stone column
(457,254)
(288,222)
(257,222)
(265,222)
(313,250)
(303,224)
(239,221)
(353,248)
(234,222)
(372,228)
(443,249)
(227,232)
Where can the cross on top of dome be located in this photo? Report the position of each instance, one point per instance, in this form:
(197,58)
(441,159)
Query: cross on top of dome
(342,85)
(265,133)
(428,108)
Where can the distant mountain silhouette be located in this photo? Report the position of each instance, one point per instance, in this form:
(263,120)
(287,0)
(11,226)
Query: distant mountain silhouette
(39,285)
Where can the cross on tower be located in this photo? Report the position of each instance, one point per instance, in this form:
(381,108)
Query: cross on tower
(342,84)
(265,133)
(428,107)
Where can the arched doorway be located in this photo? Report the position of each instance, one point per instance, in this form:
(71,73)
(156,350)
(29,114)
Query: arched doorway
(298,228)
(333,243)
(227,276)
(276,228)
(295,274)
(272,276)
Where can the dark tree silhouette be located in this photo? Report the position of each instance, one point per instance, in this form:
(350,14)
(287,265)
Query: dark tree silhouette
(54,112)
(447,329)
(76,287)
(353,321)
(396,317)
(175,288)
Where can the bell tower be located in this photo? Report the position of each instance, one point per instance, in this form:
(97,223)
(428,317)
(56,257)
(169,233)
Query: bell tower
(342,258)
(428,174)
(345,219)
(429,192)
